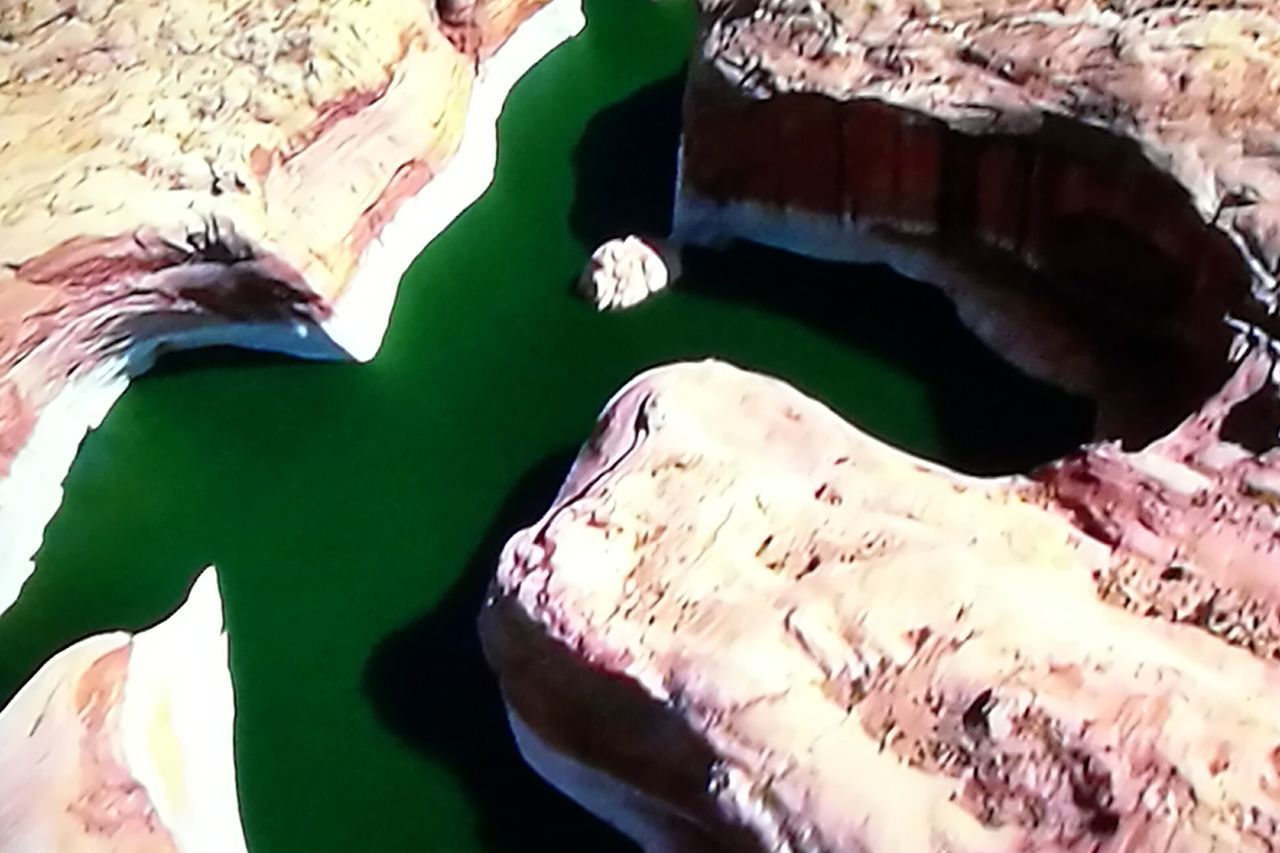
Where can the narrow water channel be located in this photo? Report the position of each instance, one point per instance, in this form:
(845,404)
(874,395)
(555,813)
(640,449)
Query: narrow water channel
(355,512)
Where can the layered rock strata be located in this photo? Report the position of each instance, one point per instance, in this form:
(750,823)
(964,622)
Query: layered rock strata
(1094,184)
(746,625)
(177,174)
(123,743)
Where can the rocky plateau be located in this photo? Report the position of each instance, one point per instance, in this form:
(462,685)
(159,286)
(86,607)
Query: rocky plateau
(746,625)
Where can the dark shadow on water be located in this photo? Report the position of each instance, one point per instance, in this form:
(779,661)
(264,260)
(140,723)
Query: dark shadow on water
(429,684)
(175,362)
(991,418)
(625,165)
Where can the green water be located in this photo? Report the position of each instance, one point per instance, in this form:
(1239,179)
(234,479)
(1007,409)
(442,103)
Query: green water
(355,512)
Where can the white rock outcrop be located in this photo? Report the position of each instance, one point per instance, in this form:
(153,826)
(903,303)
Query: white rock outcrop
(123,743)
(624,272)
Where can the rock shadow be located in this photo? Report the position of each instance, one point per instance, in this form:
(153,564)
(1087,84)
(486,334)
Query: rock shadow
(991,418)
(429,685)
(175,362)
(625,166)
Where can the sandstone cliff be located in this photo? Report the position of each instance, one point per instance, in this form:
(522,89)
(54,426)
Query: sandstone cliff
(1093,183)
(190,172)
(745,625)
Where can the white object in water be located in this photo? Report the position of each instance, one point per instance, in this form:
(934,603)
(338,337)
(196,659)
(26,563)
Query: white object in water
(624,272)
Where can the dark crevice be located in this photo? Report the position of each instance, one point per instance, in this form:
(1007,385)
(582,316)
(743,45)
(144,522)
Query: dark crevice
(1251,423)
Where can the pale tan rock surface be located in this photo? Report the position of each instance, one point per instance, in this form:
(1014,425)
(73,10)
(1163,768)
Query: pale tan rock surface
(123,743)
(626,271)
(187,172)
(746,625)
(1093,183)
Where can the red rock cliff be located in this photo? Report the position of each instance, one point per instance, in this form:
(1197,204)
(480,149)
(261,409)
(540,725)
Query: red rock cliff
(1090,182)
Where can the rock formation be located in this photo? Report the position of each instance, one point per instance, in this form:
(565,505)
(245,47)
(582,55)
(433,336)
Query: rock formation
(124,743)
(191,172)
(626,271)
(1094,184)
(746,625)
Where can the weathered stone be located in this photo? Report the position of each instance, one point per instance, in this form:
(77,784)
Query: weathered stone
(189,172)
(1091,182)
(123,743)
(626,271)
(746,625)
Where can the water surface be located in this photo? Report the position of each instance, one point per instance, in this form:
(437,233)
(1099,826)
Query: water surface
(355,512)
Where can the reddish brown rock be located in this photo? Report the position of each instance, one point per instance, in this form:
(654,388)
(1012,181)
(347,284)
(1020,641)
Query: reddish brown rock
(176,174)
(745,625)
(1093,184)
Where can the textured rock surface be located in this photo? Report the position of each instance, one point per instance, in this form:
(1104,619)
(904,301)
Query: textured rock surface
(124,743)
(1093,183)
(745,625)
(626,271)
(194,172)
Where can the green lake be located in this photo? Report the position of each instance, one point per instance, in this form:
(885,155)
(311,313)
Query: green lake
(355,512)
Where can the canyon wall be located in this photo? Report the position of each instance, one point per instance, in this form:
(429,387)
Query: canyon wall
(178,174)
(1091,184)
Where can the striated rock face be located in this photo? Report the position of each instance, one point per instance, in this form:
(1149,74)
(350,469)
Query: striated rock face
(124,743)
(745,625)
(183,173)
(1094,184)
(626,271)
